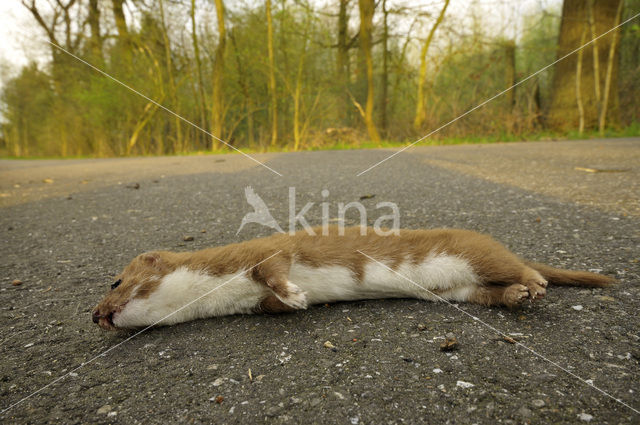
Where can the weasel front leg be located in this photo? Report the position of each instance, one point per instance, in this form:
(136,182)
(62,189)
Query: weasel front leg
(274,275)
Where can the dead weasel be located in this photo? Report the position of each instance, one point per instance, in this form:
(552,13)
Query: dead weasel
(284,273)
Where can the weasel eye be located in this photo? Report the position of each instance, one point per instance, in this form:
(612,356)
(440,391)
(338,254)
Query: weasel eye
(115,284)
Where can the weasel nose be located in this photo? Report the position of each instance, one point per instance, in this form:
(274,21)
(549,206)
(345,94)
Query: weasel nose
(96,316)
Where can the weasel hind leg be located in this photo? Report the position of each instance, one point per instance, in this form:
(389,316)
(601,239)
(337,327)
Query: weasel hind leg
(498,266)
(511,296)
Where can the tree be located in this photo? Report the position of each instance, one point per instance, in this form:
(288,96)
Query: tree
(272,76)
(342,62)
(218,71)
(598,17)
(422,74)
(366,27)
(121,22)
(196,55)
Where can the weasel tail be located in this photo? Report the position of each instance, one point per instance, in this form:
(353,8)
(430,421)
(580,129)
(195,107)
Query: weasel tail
(571,278)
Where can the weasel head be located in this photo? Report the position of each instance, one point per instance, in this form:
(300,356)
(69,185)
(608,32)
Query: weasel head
(137,281)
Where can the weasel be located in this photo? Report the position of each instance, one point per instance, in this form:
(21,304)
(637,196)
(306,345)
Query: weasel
(284,273)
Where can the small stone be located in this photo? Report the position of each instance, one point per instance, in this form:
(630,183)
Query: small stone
(273,411)
(187,238)
(585,417)
(104,410)
(463,384)
(524,412)
(218,382)
(538,403)
(48,181)
(437,370)
(577,307)
(16,282)
(328,344)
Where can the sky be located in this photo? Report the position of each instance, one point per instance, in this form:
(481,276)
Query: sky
(15,25)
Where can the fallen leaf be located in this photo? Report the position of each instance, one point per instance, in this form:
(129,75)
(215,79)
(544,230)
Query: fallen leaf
(605,298)
(219,399)
(187,238)
(449,344)
(601,170)
(363,197)
(16,282)
(328,344)
(47,181)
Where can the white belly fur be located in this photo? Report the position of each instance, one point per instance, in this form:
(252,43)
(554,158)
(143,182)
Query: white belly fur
(452,277)
(181,295)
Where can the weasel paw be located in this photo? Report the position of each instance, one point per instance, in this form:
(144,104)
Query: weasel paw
(515,295)
(295,297)
(536,288)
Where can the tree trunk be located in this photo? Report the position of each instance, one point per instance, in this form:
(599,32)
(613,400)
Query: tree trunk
(94,24)
(297,130)
(510,74)
(613,47)
(196,53)
(178,143)
(420,104)
(578,83)
(272,77)
(385,67)
(366,27)
(218,71)
(121,22)
(242,82)
(563,112)
(342,61)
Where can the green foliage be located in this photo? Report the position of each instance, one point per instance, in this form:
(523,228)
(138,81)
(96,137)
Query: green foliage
(65,108)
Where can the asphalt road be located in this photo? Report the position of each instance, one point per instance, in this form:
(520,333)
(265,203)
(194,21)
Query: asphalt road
(66,237)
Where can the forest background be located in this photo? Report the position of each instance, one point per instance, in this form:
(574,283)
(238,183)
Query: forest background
(308,74)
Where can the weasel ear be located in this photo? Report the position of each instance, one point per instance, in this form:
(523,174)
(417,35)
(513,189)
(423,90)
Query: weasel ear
(151,259)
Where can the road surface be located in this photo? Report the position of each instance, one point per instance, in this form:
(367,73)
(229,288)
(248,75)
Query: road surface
(68,226)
